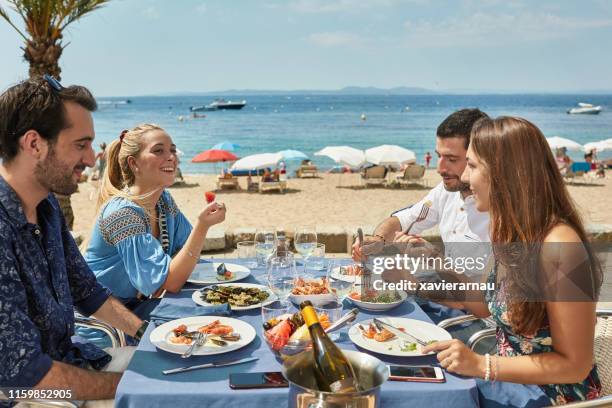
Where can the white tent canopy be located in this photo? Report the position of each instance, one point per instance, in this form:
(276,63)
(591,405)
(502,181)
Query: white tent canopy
(257,161)
(344,155)
(557,142)
(389,155)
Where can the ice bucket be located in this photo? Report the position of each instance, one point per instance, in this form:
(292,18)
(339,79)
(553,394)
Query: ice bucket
(304,393)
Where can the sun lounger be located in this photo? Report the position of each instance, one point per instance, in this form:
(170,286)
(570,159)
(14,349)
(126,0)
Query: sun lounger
(413,174)
(228,183)
(305,170)
(272,186)
(375,175)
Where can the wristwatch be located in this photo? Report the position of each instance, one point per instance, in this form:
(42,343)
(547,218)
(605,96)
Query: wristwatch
(141,330)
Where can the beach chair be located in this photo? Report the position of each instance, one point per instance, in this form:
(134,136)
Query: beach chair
(272,186)
(307,170)
(413,174)
(602,350)
(228,183)
(374,176)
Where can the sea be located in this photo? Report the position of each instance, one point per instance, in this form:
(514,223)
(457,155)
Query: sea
(308,123)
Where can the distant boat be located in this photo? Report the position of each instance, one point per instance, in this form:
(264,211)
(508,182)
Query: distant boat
(219,104)
(585,109)
(119,102)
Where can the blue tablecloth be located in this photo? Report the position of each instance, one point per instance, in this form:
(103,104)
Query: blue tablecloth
(143,383)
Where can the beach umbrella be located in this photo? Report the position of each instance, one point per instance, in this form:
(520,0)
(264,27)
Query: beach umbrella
(344,155)
(292,155)
(214,156)
(387,155)
(557,142)
(601,146)
(226,145)
(257,161)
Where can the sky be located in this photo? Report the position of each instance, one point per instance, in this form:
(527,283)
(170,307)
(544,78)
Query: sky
(148,47)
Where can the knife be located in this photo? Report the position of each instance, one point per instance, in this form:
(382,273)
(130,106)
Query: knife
(209,365)
(398,332)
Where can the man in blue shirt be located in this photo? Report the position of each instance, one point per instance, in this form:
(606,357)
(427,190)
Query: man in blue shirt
(46,135)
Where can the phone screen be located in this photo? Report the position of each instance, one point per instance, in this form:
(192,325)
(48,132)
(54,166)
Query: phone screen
(257,380)
(413,372)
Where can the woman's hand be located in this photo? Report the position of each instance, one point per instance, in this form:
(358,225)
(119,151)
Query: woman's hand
(457,358)
(212,214)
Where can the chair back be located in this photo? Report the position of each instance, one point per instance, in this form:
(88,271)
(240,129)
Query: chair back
(414,172)
(603,351)
(375,172)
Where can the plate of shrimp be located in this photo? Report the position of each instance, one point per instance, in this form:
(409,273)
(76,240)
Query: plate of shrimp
(223,335)
(367,336)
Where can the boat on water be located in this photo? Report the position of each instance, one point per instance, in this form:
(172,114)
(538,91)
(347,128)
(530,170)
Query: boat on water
(585,109)
(219,104)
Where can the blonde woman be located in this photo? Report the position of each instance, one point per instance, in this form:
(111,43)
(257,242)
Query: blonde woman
(141,243)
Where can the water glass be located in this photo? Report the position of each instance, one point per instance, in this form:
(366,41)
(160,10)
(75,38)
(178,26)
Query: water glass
(281,274)
(246,252)
(341,287)
(316,260)
(265,244)
(305,241)
(333,310)
(272,310)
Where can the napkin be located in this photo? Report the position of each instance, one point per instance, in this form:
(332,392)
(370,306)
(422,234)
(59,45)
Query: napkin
(167,311)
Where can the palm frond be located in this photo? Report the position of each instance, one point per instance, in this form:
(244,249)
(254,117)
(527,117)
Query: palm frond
(5,16)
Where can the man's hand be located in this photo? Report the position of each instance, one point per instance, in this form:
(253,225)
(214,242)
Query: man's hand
(414,245)
(373,244)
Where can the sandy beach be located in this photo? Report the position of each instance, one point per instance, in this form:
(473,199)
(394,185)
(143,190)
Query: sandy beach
(331,200)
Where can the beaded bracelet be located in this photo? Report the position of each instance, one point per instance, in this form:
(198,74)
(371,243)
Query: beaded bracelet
(487,376)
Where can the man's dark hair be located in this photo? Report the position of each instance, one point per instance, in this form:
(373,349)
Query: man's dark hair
(34,104)
(460,123)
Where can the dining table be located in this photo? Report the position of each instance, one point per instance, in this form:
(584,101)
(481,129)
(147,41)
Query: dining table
(144,384)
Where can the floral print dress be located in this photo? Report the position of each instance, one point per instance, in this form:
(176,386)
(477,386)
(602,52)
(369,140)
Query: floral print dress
(511,344)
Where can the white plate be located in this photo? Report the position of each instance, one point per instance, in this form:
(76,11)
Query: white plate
(337,274)
(423,330)
(161,335)
(206,273)
(379,307)
(197,298)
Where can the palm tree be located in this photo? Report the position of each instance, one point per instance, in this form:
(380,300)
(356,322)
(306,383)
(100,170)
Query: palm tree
(45,21)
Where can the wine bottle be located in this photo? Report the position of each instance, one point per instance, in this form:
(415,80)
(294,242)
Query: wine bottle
(333,371)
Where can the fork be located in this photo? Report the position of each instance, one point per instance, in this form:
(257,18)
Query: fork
(422,215)
(199,340)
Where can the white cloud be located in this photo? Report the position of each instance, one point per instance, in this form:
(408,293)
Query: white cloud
(336,39)
(151,13)
(202,8)
(483,29)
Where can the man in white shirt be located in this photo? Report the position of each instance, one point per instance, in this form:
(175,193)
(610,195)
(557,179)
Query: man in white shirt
(451,203)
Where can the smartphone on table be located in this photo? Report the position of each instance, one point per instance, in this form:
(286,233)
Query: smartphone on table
(416,373)
(245,381)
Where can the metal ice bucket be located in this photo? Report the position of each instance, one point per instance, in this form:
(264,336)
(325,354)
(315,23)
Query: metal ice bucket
(303,393)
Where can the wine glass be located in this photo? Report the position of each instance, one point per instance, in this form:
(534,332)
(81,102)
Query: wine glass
(281,275)
(341,287)
(265,243)
(305,241)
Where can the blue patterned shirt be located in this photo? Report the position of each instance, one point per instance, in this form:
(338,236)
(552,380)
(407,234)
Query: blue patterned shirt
(43,277)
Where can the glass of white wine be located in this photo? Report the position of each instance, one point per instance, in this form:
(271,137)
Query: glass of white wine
(305,241)
(281,274)
(265,243)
